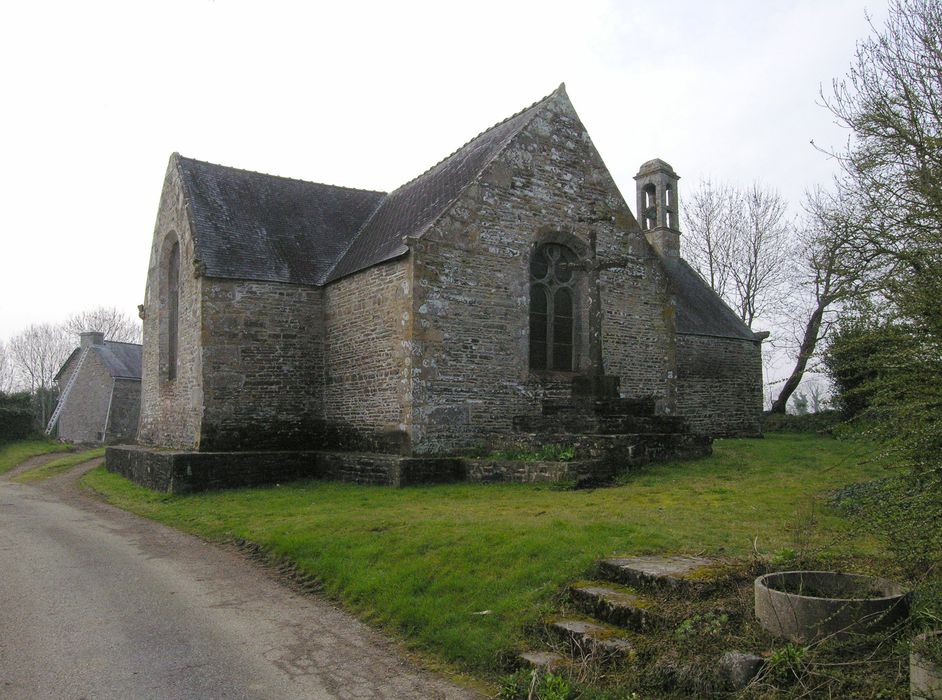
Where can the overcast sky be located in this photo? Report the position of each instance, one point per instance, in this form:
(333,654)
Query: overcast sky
(96,96)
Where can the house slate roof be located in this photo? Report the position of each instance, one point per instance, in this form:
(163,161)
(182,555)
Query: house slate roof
(120,360)
(700,310)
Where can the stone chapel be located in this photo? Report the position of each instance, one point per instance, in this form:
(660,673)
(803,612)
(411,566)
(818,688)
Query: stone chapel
(488,298)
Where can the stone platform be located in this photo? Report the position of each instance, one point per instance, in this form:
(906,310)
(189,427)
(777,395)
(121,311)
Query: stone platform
(185,472)
(607,435)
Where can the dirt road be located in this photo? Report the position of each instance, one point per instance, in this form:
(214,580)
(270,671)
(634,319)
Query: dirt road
(98,603)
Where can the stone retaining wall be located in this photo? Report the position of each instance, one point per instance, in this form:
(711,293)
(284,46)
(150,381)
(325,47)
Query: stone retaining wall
(494,470)
(185,472)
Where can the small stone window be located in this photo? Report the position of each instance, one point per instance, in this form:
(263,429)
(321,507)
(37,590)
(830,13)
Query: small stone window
(173,310)
(552,305)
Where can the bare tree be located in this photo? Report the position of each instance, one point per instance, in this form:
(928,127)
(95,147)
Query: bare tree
(6,369)
(38,353)
(709,232)
(833,267)
(891,102)
(740,241)
(761,253)
(115,324)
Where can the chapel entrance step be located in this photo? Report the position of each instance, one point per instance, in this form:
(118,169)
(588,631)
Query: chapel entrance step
(680,573)
(613,424)
(616,606)
(611,406)
(623,450)
(585,638)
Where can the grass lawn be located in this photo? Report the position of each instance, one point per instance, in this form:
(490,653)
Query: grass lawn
(425,561)
(15,453)
(57,466)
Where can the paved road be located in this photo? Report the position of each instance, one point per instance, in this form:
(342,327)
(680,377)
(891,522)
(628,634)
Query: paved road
(98,603)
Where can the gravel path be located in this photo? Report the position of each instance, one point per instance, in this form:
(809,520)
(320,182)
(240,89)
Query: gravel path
(98,603)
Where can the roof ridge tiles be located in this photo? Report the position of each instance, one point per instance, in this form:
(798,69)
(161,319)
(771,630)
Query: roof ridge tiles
(278,177)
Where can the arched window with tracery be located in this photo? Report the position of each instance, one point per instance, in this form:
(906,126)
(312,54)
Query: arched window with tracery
(173,309)
(553,271)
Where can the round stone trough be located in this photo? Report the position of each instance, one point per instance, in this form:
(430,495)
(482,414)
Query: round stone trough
(807,605)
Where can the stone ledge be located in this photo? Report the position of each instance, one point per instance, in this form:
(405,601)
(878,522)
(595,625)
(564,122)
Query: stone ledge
(520,471)
(186,472)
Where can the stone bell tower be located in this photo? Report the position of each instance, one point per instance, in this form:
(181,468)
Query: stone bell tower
(659,206)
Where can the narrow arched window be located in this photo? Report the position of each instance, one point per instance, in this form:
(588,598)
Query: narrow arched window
(649,215)
(173,309)
(552,307)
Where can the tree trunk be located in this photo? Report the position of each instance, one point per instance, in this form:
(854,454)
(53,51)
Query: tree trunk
(808,343)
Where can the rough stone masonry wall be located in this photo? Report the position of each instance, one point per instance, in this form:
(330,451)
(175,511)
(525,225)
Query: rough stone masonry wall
(86,409)
(171,410)
(471,289)
(638,341)
(366,384)
(125,411)
(263,365)
(719,385)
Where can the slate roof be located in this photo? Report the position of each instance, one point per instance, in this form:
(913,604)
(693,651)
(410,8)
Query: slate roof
(262,227)
(120,360)
(254,226)
(700,310)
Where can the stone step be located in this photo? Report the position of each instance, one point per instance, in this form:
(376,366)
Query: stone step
(616,606)
(618,424)
(626,450)
(686,574)
(613,406)
(542,660)
(660,447)
(587,638)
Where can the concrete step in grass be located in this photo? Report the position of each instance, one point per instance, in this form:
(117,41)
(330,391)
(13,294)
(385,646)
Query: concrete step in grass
(615,606)
(693,575)
(542,660)
(593,639)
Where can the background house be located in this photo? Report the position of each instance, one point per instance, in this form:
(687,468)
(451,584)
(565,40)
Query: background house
(99,392)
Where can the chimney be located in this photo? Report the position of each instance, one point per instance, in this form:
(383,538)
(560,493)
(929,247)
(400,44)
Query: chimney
(90,338)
